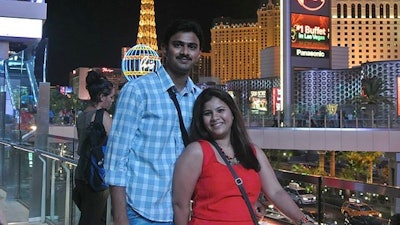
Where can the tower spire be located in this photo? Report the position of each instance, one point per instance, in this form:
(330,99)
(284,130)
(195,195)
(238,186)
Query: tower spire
(147,25)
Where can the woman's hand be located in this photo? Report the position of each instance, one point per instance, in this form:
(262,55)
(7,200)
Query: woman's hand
(306,220)
(259,209)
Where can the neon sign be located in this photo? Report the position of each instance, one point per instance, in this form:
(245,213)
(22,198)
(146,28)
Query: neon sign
(311,5)
(106,70)
(310,35)
(146,64)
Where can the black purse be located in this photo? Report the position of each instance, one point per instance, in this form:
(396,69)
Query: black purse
(238,182)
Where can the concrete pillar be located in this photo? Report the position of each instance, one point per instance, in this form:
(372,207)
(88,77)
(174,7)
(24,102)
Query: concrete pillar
(38,190)
(285,61)
(4,49)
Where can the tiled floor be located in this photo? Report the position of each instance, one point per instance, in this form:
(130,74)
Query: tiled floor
(15,212)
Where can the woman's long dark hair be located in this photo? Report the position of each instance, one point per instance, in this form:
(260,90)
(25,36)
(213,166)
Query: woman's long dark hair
(239,138)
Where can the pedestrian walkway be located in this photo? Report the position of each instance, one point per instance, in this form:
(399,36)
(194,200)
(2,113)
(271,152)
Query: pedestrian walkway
(15,212)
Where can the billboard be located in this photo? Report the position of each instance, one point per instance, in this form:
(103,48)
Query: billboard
(258,101)
(310,36)
(276,100)
(64,90)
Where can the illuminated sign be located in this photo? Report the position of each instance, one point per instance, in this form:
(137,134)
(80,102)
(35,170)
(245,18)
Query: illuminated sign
(311,5)
(140,60)
(106,70)
(20,27)
(310,36)
(276,100)
(65,90)
(258,101)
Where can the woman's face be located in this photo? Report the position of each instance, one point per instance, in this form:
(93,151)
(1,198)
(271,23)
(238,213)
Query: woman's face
(217,118)
(107,100)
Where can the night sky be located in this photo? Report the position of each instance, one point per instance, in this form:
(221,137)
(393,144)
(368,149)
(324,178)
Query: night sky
(91,33)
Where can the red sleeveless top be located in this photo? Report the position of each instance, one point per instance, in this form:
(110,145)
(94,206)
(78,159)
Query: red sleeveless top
(217,199)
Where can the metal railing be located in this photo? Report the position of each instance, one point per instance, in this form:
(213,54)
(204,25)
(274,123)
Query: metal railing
(17,164)
(342,118)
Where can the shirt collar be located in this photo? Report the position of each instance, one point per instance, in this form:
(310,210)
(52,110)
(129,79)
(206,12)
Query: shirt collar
(166,82)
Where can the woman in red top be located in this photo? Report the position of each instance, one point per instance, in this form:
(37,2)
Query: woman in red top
(200,172)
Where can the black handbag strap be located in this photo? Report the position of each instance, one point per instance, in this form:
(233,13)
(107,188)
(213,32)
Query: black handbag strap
(238,182)
(185,135)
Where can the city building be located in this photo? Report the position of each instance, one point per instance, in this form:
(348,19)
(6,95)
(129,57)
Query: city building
(21,24)
(320,89)
(235,49)
(370,29)
(268,18)
(202,70)
(236,44)
(361,31)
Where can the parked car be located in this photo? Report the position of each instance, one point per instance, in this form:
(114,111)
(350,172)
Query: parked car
(300,195)
(355,207)
(363,220)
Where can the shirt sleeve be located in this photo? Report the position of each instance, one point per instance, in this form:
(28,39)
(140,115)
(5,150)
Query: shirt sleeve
(124,125)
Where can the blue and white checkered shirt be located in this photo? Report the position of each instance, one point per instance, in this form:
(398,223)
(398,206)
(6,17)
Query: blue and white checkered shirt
(145,140)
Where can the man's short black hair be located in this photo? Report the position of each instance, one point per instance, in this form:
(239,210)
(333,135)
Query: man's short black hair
(183,25)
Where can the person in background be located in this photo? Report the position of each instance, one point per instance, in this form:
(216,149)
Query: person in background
(92,204)
(51,116)
(145,138)
(202,175)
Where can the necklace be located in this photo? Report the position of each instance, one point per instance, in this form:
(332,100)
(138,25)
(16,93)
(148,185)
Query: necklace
(231,160)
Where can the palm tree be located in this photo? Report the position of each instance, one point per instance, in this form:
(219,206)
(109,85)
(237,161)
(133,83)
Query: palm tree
(360,164)
(332,164)
(372,94)
(373,89)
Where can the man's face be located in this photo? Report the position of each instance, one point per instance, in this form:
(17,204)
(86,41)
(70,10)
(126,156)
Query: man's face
(182,52)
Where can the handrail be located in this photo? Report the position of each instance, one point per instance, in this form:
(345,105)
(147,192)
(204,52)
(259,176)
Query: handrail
(44,153)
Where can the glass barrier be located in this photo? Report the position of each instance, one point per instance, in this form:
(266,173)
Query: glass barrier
(345,116)
(17,181)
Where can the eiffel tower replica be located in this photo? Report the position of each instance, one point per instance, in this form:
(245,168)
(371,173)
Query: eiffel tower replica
(147,25)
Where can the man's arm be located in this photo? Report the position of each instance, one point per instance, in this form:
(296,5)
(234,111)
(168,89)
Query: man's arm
(118,203)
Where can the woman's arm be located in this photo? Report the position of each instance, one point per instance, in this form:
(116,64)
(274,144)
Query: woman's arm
(187,171)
